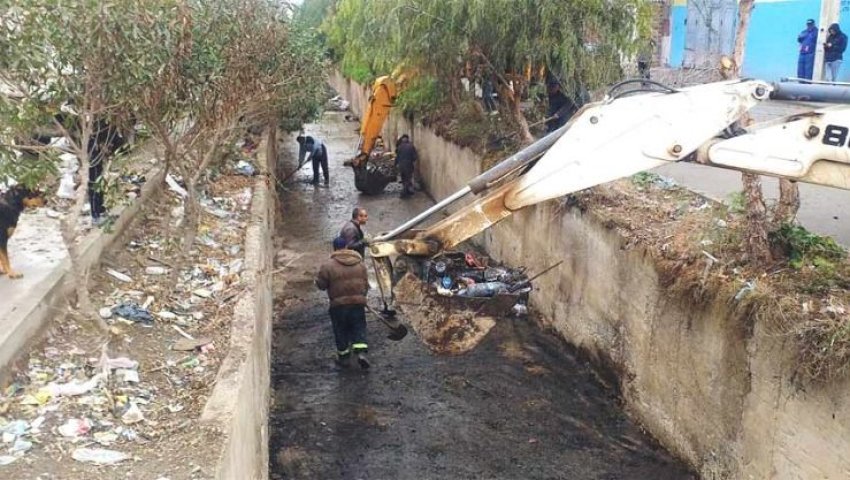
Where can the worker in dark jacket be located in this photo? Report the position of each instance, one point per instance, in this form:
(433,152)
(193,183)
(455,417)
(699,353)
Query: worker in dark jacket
(311,148)
(344,278)
(561,108)
(833,50)
(352,231)
(405,160)
(104,141)
(807,39)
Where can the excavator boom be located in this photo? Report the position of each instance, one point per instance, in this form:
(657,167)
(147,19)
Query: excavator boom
(626,134)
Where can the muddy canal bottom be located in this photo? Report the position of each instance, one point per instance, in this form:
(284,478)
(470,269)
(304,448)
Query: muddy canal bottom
(518,406)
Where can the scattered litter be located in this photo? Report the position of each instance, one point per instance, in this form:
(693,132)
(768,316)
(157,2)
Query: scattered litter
(105,438)
(487,289)
(128,376)
(7,459)
(105,313)
(75,428)
(132,415)
(119,276)
(74,388)
(134,313)
(748,287)
(175,408)
(166,315)
(175,187)
(245,168)
(122,362)
(202,292)
(99,456)
(520,310)
(156,270)
(21,446)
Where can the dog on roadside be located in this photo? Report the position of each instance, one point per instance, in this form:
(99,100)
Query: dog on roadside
(12,203)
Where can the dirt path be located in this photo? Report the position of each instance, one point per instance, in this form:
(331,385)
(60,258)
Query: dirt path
(521,405)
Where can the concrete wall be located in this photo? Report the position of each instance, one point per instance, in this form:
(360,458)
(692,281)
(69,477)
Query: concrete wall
(710,386)
(239,404)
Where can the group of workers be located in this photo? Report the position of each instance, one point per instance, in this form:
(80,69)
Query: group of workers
(833,51)
(406,156)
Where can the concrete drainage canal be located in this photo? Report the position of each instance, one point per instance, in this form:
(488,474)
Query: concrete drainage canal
(518,405)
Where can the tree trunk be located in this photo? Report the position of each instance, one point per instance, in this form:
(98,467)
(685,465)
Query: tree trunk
(512,101)
(755,237)
(84,304)
(789,202)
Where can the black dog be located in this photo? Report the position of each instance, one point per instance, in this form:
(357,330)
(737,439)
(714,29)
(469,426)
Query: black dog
(12,203)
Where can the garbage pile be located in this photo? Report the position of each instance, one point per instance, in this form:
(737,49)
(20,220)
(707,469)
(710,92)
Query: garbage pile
(152,382)
(383,164)
(467,274)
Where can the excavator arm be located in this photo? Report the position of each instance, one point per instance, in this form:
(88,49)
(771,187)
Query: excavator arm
(384,91)
(623,135)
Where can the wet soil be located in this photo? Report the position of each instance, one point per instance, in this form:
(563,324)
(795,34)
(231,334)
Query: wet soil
(519,405)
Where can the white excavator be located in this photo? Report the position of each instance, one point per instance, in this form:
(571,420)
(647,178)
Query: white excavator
(628,132)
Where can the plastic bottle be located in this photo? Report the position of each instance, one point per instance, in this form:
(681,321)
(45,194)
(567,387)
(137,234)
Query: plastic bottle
(487,289)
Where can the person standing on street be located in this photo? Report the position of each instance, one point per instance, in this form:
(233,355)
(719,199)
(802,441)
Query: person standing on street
(352,231)
(405,160)
(806,61)
(833,50)
(344,278)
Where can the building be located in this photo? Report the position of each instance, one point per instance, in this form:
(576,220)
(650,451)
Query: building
(695,33)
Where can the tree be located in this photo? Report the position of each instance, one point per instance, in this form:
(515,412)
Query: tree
(66,68)
(579,41)
(233,64)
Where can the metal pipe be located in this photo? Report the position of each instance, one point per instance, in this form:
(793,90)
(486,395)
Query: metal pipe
(483,181)
(810,92)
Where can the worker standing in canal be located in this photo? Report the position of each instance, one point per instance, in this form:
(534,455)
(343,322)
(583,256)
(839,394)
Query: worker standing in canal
(405,160)
(352,231)
(344,278)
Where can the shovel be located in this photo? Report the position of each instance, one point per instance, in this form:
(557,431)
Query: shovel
(397,329)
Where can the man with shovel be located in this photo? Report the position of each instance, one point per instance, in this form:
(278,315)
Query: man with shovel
(344,277)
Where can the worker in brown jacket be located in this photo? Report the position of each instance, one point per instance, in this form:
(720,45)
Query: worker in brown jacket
(343,276)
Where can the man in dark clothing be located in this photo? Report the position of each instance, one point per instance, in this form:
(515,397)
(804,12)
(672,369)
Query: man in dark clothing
(103,142)
(352,231)
(344,278)
(560,106)
(833,49)
(405,160)
(313,149)
(806,61)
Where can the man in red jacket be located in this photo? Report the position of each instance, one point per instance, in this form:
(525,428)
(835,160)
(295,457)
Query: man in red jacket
(344,277)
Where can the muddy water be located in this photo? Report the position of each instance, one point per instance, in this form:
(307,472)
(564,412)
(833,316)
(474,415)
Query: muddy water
(519,406)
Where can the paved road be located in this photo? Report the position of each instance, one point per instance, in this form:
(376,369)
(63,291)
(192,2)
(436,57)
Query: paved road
(520,405)
(822,209)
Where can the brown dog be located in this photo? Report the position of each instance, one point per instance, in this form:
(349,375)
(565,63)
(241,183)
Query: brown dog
(12,203)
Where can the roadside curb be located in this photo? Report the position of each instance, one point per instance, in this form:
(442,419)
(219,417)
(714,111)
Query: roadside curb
(238,406)
(27,319)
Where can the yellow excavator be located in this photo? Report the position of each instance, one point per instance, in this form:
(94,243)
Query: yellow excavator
(373,167)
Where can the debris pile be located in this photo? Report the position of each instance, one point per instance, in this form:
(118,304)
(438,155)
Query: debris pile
(169,322)
(470,275)
(454,299)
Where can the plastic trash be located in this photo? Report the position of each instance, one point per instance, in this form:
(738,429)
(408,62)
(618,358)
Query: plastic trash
(245,168)
(73,388)
(520,310)
(175,187)
(132,415)
(75,427)
(99,456)
(155,270)
(487,289)
(447,282)
(118,275)
(134,313)
(21,446)
(7,459)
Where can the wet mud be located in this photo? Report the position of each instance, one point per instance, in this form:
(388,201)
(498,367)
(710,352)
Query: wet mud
(519,405)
